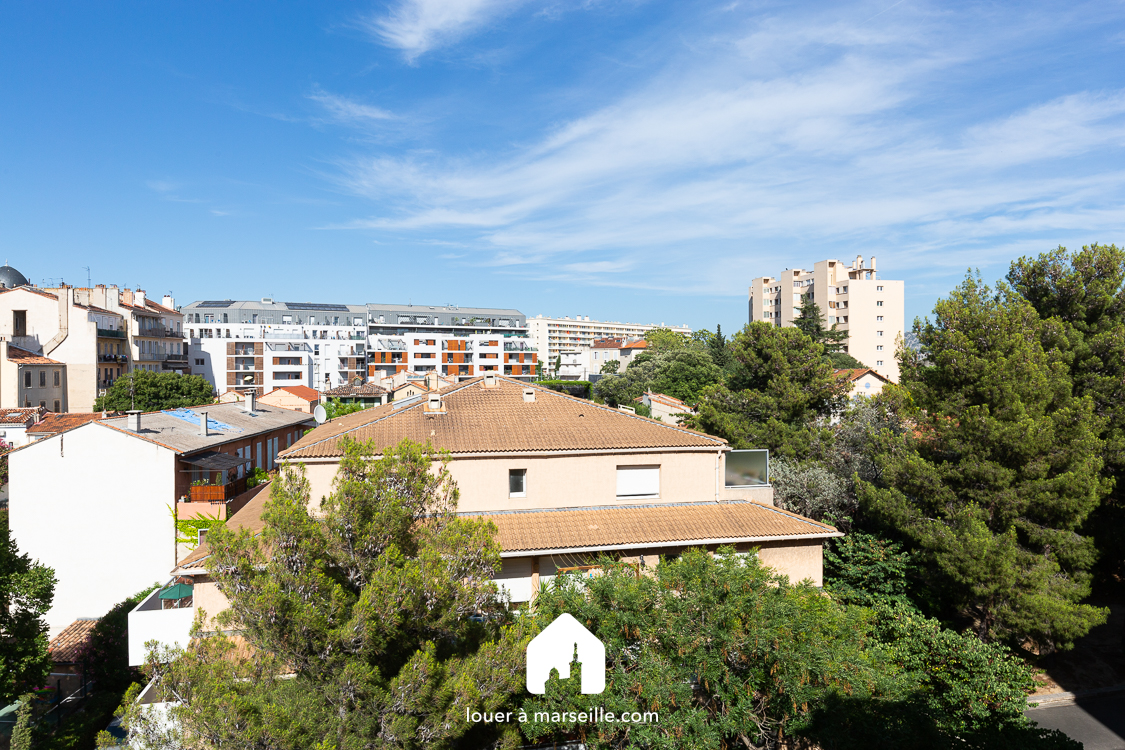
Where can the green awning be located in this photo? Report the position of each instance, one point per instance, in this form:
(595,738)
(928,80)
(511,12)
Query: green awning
(179,591)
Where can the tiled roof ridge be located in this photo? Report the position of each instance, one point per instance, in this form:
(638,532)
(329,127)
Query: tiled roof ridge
(626,413)
(689,504)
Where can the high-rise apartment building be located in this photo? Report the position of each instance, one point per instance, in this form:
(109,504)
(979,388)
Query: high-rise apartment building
(852,297)
(553,336)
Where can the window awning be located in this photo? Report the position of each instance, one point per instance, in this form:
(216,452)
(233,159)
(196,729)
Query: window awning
(179,591)
(214,461)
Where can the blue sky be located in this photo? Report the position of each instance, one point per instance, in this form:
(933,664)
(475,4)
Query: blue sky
(623,160)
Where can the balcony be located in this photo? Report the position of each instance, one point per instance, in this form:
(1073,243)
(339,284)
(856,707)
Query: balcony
(518,346)
(117,358)
(171,333)
(109,333)
(165,620)
(216,493)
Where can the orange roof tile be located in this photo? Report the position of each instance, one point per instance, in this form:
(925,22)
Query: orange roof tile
(639,344)
(855,373)
(24,357)
(654,525)
(55,423)
(300,391)
(22,414)
(498,420)
(64,647)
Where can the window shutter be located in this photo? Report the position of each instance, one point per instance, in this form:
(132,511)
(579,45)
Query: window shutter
(638,481)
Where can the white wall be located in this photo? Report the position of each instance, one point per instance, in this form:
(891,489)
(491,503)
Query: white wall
(92,503)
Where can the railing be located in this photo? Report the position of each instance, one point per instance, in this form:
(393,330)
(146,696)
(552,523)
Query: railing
(520,347)
(172,333)
(119,358)
(109,333)
(247,368)
(210,493)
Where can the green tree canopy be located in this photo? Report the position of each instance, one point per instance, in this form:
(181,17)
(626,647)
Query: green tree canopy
(1002,468)
(380,608)
(667,340)
(681,373)
(152,391)
(610,367)
(337,408)
(811,321)
(26,592)
(779,392)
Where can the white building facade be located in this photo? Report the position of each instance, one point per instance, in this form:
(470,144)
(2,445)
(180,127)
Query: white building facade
(553,336)
(852,297)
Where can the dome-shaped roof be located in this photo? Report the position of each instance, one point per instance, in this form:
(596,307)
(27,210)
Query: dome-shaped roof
(11,278)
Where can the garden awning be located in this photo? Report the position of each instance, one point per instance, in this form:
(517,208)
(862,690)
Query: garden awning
(214,461)
(179,591)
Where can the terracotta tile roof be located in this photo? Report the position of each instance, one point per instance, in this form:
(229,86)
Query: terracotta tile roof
(22,415)
(31,289)
(300,391)
(651,525)
(248,517)
(640,344)
(608,344)
(24,357)
(856,373)
(64,646)
(497,420)
(55,423)
(366,389)
(159,308)
(665,399)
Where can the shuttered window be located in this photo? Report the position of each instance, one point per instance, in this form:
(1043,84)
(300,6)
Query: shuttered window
(638,481)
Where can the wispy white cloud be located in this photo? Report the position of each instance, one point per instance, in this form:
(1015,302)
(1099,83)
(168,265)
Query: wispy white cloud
(418,26)
(346,110)
(806,133)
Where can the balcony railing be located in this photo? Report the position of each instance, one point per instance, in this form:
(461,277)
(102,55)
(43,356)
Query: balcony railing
(217,493)
(109,333)
(118,358)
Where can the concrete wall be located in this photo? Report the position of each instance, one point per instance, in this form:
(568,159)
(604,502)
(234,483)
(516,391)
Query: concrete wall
(92,503)
(574,481)
(798,559)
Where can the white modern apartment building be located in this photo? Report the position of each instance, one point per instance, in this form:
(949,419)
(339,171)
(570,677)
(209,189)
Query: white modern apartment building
(852,297)
(261,345)
(455,342)
(553,336)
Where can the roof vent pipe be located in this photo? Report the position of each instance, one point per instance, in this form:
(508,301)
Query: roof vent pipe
(203,424)
(529,394)
(249,402)
(434,401)
(133,420)
(490,380)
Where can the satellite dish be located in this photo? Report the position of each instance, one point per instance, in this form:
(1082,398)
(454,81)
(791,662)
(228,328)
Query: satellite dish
(320,414)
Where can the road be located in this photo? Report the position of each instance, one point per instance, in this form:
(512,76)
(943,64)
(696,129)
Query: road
(1097,722)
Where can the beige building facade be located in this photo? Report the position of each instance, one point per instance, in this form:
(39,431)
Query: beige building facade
(555,336)
(852,297)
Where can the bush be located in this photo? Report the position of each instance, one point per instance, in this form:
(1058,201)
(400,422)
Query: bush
(106,651)
(256,476)
(579,388)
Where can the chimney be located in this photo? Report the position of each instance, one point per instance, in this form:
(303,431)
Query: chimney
(133,420)
(433,402)
(203,424)
(169,301)
(490,380)
(249,402)
(140,297)
(126,296)
(872,262)
(529,395)
(858,262)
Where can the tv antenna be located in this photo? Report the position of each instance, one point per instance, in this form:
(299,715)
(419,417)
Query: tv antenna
(88,282)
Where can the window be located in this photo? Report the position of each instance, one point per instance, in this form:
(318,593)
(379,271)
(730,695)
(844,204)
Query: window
(878,303)
(42,378)
(43,404)
(27,380)
(57,375)
(56,409)
(638,481)
(879,348)
(878,288)
(867,384)
(878,333)
(259,446)
(878,317)
(517,483)
(199,362)
(878,363)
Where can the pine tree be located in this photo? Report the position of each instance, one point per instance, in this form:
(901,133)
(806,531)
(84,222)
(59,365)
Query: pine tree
(812,323)
(1002,467)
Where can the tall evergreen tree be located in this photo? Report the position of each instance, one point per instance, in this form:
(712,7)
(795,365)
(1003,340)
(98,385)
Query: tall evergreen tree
(26,592)
(811,322)
(779,392)
(1002,467)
